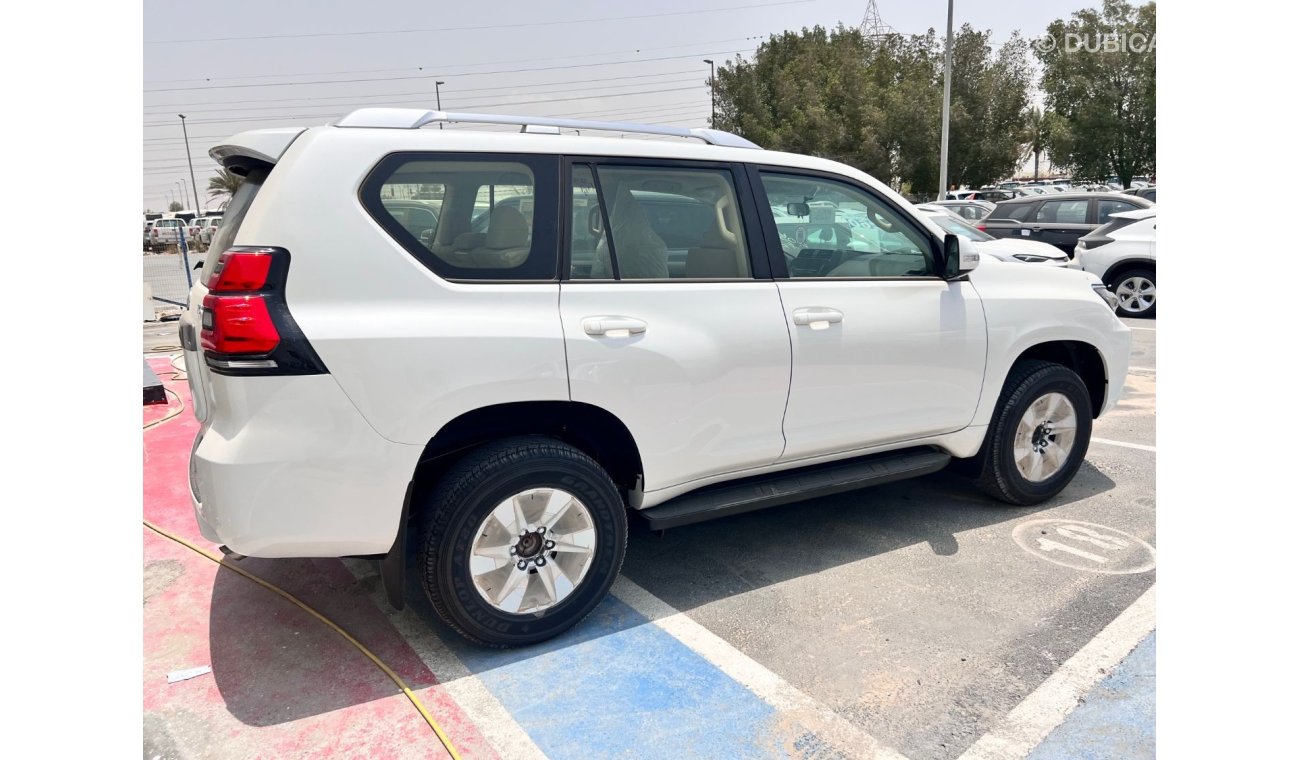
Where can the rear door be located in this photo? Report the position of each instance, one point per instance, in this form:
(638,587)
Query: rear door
(1061,222)
(671,320)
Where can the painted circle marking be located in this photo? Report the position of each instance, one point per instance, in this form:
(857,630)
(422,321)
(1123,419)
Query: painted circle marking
(1085,546)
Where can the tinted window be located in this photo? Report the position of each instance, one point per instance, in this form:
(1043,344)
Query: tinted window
(1105,208)
(833,229)
(663,223)
(1063,212)
(1016,211)
(469,216)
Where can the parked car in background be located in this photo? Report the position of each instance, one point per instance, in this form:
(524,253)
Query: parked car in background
(970,210)
(1059,220)
(166,232)
(148,233)
(1122,253)
(208,229)
(1147,192)
(1003,249)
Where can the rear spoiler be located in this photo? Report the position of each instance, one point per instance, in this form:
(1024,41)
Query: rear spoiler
(255,147)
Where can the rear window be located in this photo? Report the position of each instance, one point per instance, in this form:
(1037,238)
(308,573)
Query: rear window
(470,216)
(224,235)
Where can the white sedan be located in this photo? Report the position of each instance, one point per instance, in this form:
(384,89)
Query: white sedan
(1004,249)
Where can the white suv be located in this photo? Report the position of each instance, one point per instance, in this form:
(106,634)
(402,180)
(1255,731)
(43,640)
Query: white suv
(1122,253)
(470,353)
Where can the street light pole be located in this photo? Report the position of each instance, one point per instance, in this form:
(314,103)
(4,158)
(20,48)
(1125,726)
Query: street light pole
(713,96)
(437,93)
(947,102)
(194,184)
(181,193)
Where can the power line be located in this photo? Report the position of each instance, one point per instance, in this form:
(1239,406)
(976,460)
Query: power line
(567,86)
(498,105)
(560,22)
(444,69)
(434,76)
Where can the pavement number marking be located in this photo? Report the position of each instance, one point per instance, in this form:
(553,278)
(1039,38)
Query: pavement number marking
(1085,546)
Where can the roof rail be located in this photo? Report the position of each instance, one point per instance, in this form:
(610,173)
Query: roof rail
(414,118)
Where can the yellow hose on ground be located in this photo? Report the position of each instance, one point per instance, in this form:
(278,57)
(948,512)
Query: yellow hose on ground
(406,690)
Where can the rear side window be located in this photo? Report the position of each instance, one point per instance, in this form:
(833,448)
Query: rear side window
(1105,208)
(469,216)
(224,235)
(1016,211)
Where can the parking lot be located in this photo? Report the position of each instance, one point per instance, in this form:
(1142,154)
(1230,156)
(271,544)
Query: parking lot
(917,619)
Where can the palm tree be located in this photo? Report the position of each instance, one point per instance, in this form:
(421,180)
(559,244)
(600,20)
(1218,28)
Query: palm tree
(225,183)
(1038,131)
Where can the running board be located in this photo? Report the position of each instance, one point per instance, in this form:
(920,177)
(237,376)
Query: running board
(773,489)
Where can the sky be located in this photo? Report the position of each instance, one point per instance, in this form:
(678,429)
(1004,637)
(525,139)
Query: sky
(249,64)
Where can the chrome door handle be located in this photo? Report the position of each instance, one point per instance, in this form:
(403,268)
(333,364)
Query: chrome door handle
(613,326)
(817,317)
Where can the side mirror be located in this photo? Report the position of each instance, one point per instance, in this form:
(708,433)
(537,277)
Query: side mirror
(959,256)
(798,209)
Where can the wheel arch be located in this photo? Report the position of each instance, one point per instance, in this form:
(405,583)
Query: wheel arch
(1123,265)
(589,428)
(1083,358)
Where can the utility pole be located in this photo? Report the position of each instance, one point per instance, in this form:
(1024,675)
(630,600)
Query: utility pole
(713,96)
(181,193)
(195,185)
(947,102)
(437,93)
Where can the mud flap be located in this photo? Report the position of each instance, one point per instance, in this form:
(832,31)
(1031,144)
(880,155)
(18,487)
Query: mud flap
(392,568)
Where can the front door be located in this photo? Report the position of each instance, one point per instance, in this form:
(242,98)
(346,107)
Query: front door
(671,322)
(883,349)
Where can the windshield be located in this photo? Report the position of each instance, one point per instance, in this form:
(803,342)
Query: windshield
(949,223)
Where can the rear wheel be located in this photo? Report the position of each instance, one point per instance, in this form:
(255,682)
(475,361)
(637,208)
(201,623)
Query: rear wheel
(1038,436)
(520,540)
(1136,290)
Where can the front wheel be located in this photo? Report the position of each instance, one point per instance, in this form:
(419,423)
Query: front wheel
(1038,436)
(520,540)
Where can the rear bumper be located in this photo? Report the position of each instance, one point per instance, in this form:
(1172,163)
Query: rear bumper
(287,467)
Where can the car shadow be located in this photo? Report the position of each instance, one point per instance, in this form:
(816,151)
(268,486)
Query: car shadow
(274,663)
(694,565)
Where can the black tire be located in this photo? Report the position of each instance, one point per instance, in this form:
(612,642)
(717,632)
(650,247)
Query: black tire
(1144,273)
(1027,382)
(469,491)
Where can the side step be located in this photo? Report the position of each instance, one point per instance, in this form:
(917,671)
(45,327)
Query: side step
(762,491)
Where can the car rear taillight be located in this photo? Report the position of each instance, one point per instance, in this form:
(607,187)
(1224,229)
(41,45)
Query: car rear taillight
(246,325)
(981,227)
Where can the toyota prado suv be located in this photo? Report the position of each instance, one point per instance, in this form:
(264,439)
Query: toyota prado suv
(469,355)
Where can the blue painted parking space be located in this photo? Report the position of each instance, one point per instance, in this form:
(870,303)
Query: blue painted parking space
(1116,719)
(619,686)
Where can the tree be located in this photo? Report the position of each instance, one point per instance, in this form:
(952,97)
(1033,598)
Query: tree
(1099,77)
(875,104)
(175,206)
(224,183)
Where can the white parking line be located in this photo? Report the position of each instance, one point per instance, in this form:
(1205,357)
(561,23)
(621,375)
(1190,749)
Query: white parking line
(1141,369)
(488,716)
(768,686)
(1029,723)
(1147,329)
(1139,446)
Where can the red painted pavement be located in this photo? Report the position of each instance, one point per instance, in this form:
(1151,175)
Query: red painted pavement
(282,683)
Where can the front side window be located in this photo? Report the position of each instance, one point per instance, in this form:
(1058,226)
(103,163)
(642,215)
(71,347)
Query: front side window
(467,216)
(833,229)
(655,223)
